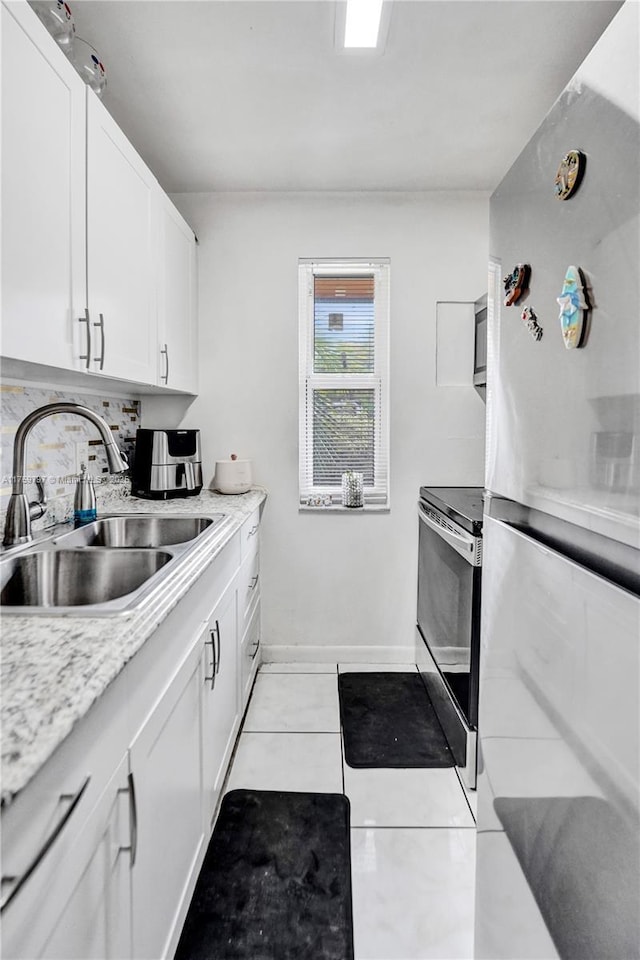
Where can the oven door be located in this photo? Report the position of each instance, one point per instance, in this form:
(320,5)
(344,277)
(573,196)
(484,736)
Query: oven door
(449,567)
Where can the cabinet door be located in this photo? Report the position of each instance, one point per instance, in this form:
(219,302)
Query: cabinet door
(248,590)
(220,703)
(95,923)
(249,656)
(77,902)
(177,330)
(43,193)
(165,763)
(121,213)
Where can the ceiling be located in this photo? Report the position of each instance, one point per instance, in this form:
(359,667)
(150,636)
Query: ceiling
(222,95)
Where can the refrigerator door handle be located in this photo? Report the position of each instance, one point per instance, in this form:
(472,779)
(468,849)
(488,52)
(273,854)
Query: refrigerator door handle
(466,545)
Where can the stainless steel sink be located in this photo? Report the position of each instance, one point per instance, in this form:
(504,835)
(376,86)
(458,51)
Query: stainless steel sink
(111,566)
(137,531)
(71,578)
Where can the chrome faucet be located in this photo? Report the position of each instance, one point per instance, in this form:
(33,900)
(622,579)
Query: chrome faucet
(20,512)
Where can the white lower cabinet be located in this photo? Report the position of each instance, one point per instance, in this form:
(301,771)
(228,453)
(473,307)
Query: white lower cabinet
(165,764)
(95,922)
(249,606)
(220,697)
(66,880)
(249,649)
(101,851)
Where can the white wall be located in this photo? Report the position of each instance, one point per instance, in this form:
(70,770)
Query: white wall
(334,580)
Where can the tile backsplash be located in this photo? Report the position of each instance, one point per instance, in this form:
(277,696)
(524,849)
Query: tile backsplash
(51,445)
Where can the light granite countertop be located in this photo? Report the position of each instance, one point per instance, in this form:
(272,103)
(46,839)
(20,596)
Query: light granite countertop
(54,668)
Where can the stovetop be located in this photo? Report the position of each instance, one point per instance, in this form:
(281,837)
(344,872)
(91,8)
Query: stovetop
(462,504)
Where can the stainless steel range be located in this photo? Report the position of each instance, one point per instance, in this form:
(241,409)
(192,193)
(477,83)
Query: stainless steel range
(449,577)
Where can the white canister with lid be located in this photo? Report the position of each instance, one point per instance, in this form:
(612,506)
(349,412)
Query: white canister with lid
(232,475)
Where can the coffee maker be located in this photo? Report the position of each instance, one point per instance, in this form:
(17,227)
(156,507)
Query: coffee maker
(167,464)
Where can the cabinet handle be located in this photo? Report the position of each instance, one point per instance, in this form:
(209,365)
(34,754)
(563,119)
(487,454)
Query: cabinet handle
(254,582)
(100,326)
(255,650)
(19,882)
(86,356)
(133,808)
(253,530)
(214,666)
(165,375)
(133,818)
(219,657)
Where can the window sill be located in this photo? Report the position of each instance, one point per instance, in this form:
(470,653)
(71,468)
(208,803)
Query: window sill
(338,508)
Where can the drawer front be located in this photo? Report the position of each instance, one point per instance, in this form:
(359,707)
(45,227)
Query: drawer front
(250,534)
(248,590)
(40,830)
(249,655)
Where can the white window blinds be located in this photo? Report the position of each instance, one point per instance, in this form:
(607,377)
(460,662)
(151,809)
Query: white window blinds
(344,373)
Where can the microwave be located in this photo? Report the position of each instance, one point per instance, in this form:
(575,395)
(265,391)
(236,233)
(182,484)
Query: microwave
(480,342)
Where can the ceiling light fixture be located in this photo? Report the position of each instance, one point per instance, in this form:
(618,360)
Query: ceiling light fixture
(362,24)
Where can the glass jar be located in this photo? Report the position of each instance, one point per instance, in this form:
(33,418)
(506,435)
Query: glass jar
(87,62)
(352,489)
(58,19)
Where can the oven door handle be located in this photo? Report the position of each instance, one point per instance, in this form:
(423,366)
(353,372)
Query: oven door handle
(467,546)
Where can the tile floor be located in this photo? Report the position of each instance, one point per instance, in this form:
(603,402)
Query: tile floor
(412,831)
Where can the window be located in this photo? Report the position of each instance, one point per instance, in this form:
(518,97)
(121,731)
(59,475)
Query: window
(344,379)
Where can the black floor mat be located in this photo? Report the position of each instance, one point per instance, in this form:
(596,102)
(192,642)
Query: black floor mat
(388,720)
(276,881)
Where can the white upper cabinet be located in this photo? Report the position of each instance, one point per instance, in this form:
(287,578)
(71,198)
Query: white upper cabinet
(177,321)
(99,268)
(43,193)
(121,267)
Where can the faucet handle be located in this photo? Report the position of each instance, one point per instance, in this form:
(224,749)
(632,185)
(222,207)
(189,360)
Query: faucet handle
(38,508)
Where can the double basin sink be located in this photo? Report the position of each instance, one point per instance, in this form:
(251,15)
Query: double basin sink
(112,565)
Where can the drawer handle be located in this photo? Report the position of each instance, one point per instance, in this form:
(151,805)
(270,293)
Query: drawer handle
(214,665)
(19,882)
(133,818)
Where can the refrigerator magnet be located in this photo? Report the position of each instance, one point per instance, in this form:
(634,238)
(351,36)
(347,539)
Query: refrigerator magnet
(530,320)
(574,307)
(515,283)
(569,174)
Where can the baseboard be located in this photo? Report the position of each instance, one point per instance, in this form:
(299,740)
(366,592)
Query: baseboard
(299,653)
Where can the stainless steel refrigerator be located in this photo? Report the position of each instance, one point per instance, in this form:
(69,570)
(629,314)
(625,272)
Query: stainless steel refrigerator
(558,856)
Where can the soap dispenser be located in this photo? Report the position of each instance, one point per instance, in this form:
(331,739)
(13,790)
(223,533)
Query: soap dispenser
(84,503)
